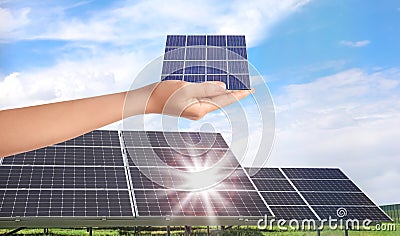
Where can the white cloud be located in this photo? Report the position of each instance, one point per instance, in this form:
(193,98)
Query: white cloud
(105,73)
(12,22)
(348,120)
(148,20)
(355,44)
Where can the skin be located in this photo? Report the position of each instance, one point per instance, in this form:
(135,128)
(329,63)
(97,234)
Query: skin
(29,128)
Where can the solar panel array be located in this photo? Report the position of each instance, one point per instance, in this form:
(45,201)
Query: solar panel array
(200,58)
(97,176)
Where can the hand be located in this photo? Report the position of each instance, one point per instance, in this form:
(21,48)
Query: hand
(190,100)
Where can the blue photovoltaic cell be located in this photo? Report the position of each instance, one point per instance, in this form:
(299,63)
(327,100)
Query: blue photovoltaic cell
(236,40)
(194,40)
(216,67)
(174,54)
(195,67)
(216,40)
(214,53)
(224,59)
(237,54)
(176,40)
(172,67)
(196,53)
(237,67)
(239,82)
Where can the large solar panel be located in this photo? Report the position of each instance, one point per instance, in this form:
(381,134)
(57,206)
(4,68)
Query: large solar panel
(200,58)
(96,180)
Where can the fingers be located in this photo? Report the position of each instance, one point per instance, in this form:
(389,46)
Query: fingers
(223,100)
(207,89)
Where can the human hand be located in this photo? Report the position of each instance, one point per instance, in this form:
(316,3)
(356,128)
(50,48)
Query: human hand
(190,100)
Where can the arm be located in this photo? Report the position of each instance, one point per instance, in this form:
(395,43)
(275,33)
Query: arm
(29,128)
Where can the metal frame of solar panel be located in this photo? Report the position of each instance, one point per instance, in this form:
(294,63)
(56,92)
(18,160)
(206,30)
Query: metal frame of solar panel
(200,58)
(93,180)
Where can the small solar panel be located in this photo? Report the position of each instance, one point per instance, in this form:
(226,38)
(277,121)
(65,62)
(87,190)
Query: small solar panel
(223,58)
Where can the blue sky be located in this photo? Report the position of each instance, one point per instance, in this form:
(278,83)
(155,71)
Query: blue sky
(332,67)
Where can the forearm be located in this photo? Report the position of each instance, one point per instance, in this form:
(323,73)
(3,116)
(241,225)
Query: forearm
(29,128)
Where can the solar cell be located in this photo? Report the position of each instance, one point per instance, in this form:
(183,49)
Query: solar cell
(237,53)
(273,185)
(174,54)
(236,40)
(283,198)
(237,67)
(45,203)
(194,40)
(267,173)
(216,67)
(216,40)
(172,67)
(176,40)
(238,82)
(205,203)
(195,53)
(337,199)
(195,67)
(62,155)
(314,173)
(326,185)
(214,53)
(228,59)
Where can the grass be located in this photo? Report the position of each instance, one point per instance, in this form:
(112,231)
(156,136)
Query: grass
(202,230)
